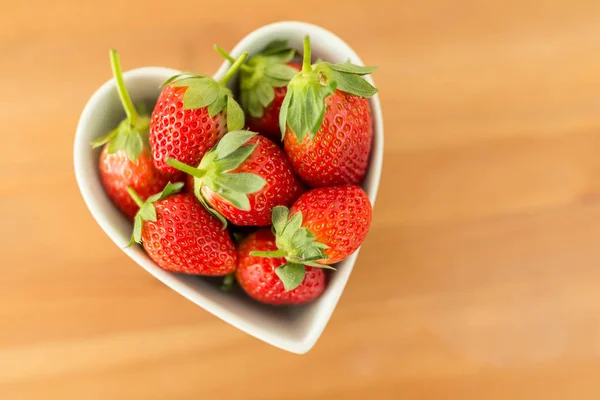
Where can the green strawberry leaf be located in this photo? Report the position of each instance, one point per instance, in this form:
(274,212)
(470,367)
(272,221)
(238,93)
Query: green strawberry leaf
(309,253)
(243,182)
(293,225)
(101,141)
(275,46)
(201,92)
(125,137)
(253,106)
(136,237)
(120,140)
(170,188)
(353,84)
(147,212)
(281,57)
(235,115)
(134,145)
(237,199)
(280,218)
(219,104)
(350,68)
(295,112)
(180,77)
(283,113)
(291,275)
(235,159)
(274,82)
(264,94)
(301,238)
(281,71)
(231,142)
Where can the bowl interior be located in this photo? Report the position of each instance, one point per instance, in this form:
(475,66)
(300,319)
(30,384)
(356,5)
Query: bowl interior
(294,329)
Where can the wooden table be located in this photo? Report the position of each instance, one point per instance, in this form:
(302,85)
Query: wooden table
(480,278)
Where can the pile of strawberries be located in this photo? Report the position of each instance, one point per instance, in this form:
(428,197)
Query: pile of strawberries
(270,206)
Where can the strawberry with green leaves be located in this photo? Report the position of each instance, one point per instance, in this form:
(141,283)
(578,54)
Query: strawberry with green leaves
(180,235)
(191,114)
(323,227)
(326,122)
(262,86)
(125,160)
(266,279)
(243,178)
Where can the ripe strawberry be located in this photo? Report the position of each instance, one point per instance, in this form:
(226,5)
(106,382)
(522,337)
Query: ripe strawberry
(324,226)
(125,160)
(243,178)
(262,84)
(192,113)
(181,236)
(118,172)
(339,217)
(326,122)
(260,276)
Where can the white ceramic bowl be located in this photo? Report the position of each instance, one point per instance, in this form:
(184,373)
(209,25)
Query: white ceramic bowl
(295,329)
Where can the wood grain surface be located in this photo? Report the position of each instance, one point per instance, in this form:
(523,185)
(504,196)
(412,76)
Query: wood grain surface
(480,278)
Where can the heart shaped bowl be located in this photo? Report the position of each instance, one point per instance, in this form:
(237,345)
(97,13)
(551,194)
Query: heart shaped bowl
(295,329)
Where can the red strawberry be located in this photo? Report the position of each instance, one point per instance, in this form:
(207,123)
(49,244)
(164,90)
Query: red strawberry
(262,84)
(243,178)
(339,217)
(326,122)
(125,160)
(260,276)
(324,226)
(192,113)
(118,172)
(181,236)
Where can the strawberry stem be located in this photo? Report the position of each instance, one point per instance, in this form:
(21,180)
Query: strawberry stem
(306,65)
(115,64)
(136,197)
(233,69)
(195,172)
(270,254)
(228,57)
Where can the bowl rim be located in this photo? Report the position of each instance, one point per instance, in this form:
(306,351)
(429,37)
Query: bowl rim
(82,149)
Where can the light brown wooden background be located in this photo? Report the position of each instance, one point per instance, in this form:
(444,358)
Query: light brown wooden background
(480,278)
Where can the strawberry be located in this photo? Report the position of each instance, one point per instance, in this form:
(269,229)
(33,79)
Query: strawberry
(181,236)
(118,172)
(262,86)
(260,276)
(323,227)
(125,159)
(326,122)
(192,113)
(243,178)
(338,216)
